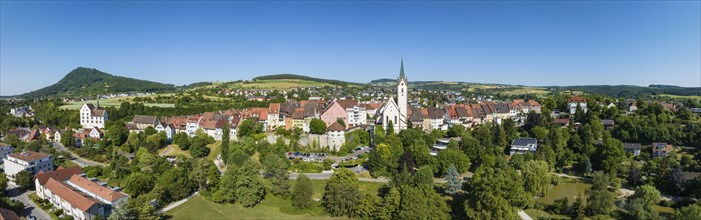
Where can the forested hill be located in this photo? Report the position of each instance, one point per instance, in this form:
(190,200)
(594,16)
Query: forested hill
(629,91)
(300,77)
(88,81)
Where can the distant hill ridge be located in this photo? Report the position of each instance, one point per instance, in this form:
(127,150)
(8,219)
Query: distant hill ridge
(84,81)
(300,77)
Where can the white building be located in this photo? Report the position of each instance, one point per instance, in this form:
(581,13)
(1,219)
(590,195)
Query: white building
(396,112)
(92,116)
(79,197)
(29,161)
(5,149)
(336,136)
(169,129)
(523,145)
(577,101)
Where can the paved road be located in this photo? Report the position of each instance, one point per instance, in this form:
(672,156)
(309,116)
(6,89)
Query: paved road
(180,202)
(82,162)
(29,206)
(625,192)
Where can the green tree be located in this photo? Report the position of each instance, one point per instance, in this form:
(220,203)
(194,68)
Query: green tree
(124,211)
(452,177)
(317,126)
(3,184)
(67,138)
(692,211)
(174,184)
(342,195)
(238,157)
(390,127)
(579,208)
(276,168)
(341,122)
(421,202)
(116,134)
(599,199)
(456,131)
(369,207)
(225,142)
(24,179)
(149,131)
(641,202)
(182,140)
(424,176)
(535,177)
(198,147)
(249,127)
(302,192)
(138,183)
(390,204)
(610,155)
(249,186)
(455,157)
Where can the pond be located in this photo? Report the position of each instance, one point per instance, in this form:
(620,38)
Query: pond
(569,190)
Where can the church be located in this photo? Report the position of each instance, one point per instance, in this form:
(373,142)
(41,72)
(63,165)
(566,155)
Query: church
(394,111)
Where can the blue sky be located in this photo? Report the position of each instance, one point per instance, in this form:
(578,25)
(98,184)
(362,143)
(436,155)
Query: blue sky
(518,42)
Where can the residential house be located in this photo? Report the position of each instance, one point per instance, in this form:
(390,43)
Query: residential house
(192,124)
(34,135)
(80,197)
(169,129)
(561,122)
(141,122)
(436,117)
(332,112)
(632,148)
(531,105)
(92,116)
(523,145)
(275,119)
(5,149)
(215,128)
(57,136)
(356,114)
(660,149)
(575,101)
(608,123)
(28,160)
(632,107)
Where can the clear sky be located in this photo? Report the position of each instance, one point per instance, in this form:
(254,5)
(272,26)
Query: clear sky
(518,42)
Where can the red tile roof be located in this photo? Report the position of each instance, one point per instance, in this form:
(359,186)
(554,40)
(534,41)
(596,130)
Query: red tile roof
(76,198)
(93,187)
(6,214)
(28,156)
(577,99)
(61,174)
(336,127)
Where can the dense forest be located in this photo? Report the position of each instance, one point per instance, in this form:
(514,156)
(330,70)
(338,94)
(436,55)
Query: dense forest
(87,81)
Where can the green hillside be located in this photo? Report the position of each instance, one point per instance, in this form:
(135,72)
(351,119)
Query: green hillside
(307,78)
(88,81)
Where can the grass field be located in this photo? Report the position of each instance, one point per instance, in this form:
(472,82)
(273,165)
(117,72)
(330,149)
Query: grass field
(697,97)
(214,149)
(271,208)
(527,90)
(540,214)
(279,84)
(114,102)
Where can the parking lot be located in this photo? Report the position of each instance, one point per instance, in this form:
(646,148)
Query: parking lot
(307,157)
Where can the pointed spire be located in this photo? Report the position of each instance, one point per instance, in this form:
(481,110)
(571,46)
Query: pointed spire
(401,70)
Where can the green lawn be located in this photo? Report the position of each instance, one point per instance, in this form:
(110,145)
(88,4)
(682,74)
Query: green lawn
(271,208)
(114,102)
(697,97)
(569,190)
(540,214)
(214,149)
(174,150)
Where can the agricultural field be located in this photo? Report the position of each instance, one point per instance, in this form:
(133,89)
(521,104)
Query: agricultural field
(115,102)
(280,84)
(697,97)
(526,90)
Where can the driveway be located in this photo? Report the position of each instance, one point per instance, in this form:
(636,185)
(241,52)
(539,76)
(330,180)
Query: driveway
(29,207)
(82,162)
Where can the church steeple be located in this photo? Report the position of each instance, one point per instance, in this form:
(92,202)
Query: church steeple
(401,70)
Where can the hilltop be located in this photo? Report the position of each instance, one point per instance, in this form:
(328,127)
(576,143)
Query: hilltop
(307,78)
(84,81)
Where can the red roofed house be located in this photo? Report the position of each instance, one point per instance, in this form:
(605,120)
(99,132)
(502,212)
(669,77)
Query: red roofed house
(577,101)
(79,197)
(336,136)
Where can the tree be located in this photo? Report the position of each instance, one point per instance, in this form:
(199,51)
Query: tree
(182,140)
(535,177)
(3,184)
(421,202)
(249,187)
(455,157)
(456,131)
(67,138)
(390,127)
(342,195)
(317,126)
(225,141)
(579,208)
(24,179)
(599,199)
(495,192)
(369,207)
(692,211)
(276,168)
(635,177)
(249,127)
(174,184)
(641,202)
(533,119)
(124,211)
(137,184)
(390,204)
(116,134)
(452,177)
(610,155)
(149,131)
(198,147)
(424,176)
(302,192)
